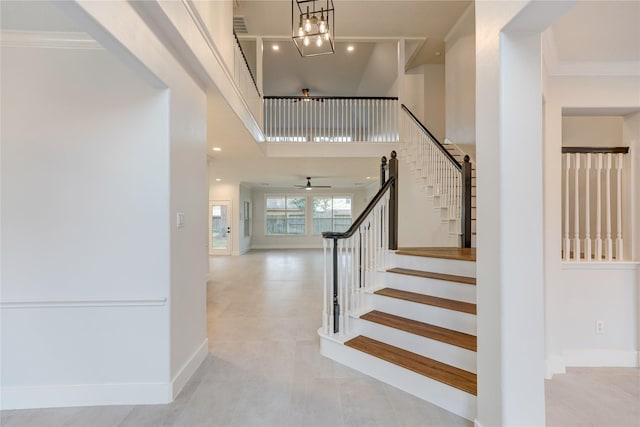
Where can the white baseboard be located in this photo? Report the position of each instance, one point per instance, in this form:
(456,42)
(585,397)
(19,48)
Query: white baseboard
(84,395)
(591,358)
(601,358)
(187,370)
(554,365)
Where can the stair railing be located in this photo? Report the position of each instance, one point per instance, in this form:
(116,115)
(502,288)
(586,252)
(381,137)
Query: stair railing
(245,79)
(439,170)
(585,169)
(352,258)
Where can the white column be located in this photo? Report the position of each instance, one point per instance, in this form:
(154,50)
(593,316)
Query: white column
(608,240)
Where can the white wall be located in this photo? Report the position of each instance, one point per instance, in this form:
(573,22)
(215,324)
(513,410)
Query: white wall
(218,17)
(611,293)
(460,80)
(631,138)
(85,242)
(261,241)
(379,64)
(434,99)
(182,181)
(420,223)
(414,98)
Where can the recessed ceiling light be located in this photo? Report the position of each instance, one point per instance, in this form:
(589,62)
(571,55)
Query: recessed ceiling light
(218,179)
(350,48)
(368,177)
(217,149)
(275,47)
(438,54)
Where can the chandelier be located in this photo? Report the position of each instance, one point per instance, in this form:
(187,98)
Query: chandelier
(312,26)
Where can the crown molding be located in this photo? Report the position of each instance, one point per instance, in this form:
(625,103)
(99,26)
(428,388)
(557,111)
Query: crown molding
(556,67)
(48,40)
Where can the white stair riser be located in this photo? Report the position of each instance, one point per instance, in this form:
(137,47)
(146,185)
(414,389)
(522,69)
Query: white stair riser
(433,349)
(442,395)
(437,288)
(435,265)
(450,319)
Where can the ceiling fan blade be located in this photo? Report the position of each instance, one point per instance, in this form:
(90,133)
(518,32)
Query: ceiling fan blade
(321,186)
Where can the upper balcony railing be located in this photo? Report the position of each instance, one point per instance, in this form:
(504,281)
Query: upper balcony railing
(330,119)
(245,79)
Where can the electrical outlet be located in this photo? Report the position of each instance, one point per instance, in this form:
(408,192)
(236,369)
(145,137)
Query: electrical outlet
(599,326)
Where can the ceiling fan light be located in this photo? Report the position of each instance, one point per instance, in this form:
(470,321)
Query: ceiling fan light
(308,188)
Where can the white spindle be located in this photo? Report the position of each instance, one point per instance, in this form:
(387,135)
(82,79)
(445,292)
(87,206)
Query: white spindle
(576,207)
(609,241)
(619,242)
(587,209)
(567,242)
(599,164)
(325,314)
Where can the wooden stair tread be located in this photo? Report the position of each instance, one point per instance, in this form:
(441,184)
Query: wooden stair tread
(461,254)
(449,304)
(448,336)
(431,275)
(446,374)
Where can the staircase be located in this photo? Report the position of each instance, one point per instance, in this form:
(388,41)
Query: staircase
(439,170)
(416,329)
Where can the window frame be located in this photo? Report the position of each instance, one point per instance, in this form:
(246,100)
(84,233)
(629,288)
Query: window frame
(285,196)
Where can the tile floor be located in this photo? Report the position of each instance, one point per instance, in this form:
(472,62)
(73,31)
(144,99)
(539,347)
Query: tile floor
(265,370)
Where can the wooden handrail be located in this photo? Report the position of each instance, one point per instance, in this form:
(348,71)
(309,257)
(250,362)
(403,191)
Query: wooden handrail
(390,184)
(613,150)
(253,79)
(444,151)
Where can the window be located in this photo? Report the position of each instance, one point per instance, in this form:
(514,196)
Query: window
(331,213)
(285,215)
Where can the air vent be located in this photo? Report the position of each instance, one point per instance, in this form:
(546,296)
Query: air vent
(239,25)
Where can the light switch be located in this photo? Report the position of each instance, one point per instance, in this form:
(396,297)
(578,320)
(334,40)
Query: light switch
(180,220)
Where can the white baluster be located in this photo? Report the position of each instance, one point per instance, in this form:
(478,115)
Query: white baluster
(619,242)
(599,207)
(567,243)
(587,210)
(576,207)
(325,314)
(609,241)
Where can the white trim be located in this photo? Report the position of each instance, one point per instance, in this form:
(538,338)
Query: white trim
(82,302)
(581,265)
(554,365)
(590,358)
(48,40)
(189,368)
(476,423)
(56,396)
(601,357)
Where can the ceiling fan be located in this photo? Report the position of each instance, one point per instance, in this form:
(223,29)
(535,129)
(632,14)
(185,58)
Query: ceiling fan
(311,187)
(306,98)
